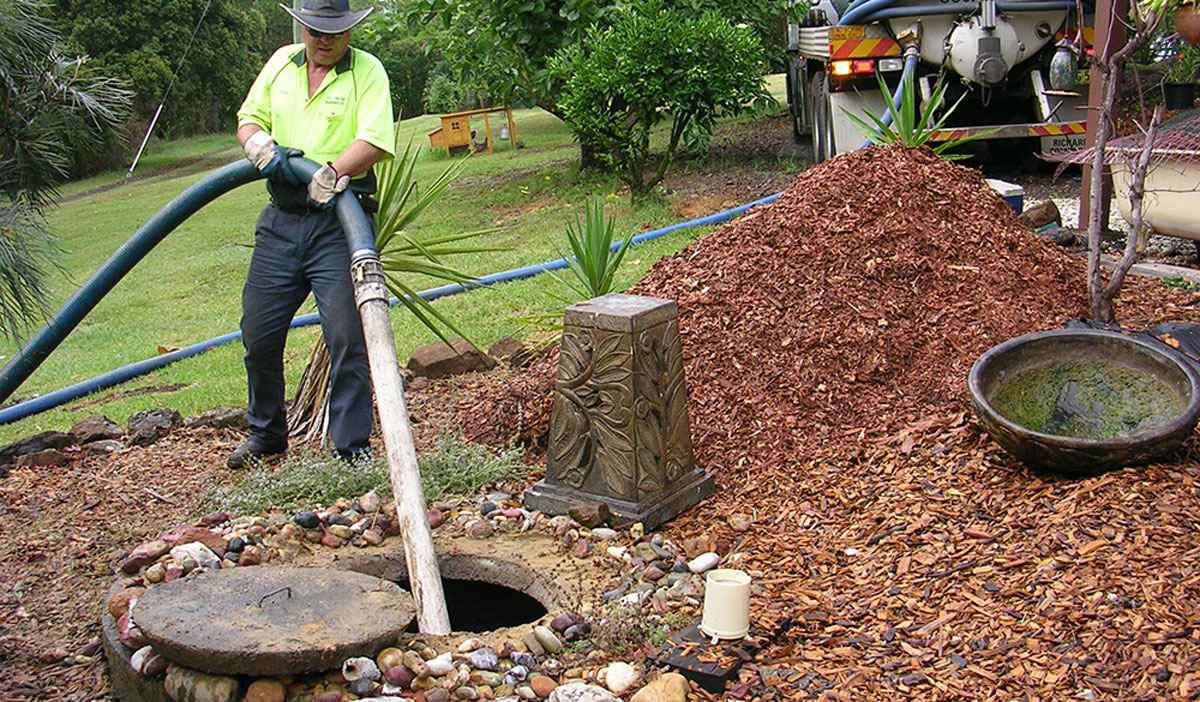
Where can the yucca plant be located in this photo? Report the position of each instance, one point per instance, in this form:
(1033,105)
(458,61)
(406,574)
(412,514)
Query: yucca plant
(908,127)
(593,261)
(403,255)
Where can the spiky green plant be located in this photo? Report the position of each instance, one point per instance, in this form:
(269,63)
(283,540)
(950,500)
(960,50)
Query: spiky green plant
(401,202)
(909,127)
(593,261)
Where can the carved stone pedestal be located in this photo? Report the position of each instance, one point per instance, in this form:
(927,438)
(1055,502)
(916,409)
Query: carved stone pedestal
(619,425)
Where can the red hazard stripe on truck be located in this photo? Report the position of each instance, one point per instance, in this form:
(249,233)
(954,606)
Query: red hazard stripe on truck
(862,48)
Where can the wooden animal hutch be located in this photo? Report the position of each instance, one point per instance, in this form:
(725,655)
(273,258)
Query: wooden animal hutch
(456,130)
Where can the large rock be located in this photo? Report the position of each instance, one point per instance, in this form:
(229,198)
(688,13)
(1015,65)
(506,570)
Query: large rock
(149,426)
(185,685)
(669,687)
(1041,215)
(34,444)
(96,428)
(441,359)
(513,351)
(49,457)
(219,418)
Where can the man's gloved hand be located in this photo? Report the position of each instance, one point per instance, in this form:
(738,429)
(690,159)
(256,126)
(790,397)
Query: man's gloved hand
(325,184)
(271,158)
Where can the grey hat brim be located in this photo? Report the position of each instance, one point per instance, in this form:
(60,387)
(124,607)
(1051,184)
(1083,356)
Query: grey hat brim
(328,25)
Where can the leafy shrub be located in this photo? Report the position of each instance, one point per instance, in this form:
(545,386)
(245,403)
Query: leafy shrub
(440,95)
(405,58)
(653,64)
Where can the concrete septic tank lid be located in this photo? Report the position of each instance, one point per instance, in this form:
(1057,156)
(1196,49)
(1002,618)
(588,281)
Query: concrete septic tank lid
(277,620)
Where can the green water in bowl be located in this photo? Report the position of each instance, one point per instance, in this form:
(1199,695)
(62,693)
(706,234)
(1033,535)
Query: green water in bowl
(1086,400)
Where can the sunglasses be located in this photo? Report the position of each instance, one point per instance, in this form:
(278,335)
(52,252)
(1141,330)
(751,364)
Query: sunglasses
(321,35)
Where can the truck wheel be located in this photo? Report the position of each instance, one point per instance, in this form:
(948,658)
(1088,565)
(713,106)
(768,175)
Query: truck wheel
(822,118)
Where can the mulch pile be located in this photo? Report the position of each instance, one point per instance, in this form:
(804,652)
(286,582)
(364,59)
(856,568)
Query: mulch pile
(827,340)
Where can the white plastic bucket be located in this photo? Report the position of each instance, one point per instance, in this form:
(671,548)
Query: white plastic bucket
(726,604)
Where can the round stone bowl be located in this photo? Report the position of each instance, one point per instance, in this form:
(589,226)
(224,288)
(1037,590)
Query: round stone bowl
(1080,402)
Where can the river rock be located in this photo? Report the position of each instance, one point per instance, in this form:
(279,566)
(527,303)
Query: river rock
(265,690)
(399,675)
(604,533)
(370,502)
(669,687)
(581,692)
(548,639)
(441,665)
(250,556)
(478,529)
(470,645)
(484,658)
(591,514)
(522,658)
(562,620)
(155,573)
(197,552)
(619,677)
(704,562)
(542,685)
(186,533)
(307,519)
(145,661)
(187,685)
(437,694)
(360,667)
(118,604)
(531,643)
(436,517)
(414,662)
(129,634)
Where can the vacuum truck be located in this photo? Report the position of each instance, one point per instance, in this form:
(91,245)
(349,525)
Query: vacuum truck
(1017,65)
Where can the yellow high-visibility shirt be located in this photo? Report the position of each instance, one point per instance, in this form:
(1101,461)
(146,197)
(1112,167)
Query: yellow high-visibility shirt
(353,103)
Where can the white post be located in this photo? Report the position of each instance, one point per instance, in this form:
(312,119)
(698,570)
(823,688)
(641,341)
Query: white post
(424,577)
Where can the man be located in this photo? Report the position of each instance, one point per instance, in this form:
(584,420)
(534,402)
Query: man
(333,104)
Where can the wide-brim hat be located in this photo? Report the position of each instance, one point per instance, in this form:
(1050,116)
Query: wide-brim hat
(328,16)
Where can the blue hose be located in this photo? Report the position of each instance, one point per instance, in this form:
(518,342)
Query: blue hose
(361,241)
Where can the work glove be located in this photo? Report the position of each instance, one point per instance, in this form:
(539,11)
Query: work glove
(271,158)
(325,185)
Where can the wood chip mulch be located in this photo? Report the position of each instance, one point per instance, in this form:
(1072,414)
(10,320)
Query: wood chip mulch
(827,338)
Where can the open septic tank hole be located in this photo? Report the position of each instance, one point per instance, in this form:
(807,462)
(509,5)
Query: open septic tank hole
(474,605)
(483,593)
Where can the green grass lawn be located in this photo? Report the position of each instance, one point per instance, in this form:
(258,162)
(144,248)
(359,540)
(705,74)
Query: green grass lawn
(188,289)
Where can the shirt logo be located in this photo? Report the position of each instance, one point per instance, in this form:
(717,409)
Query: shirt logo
(335,101)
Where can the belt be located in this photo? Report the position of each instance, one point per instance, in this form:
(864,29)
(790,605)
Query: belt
(297,209)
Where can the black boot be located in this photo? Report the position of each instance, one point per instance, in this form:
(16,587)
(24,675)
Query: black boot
(254,448)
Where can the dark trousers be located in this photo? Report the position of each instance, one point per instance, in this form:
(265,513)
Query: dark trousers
(293,254)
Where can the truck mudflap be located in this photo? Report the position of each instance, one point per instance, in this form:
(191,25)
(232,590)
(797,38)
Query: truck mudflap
(1055,136)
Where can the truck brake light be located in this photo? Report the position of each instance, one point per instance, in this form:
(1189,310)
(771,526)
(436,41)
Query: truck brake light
(856,67)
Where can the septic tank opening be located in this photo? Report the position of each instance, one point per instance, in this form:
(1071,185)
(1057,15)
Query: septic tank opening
(483,593)
(474,605)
